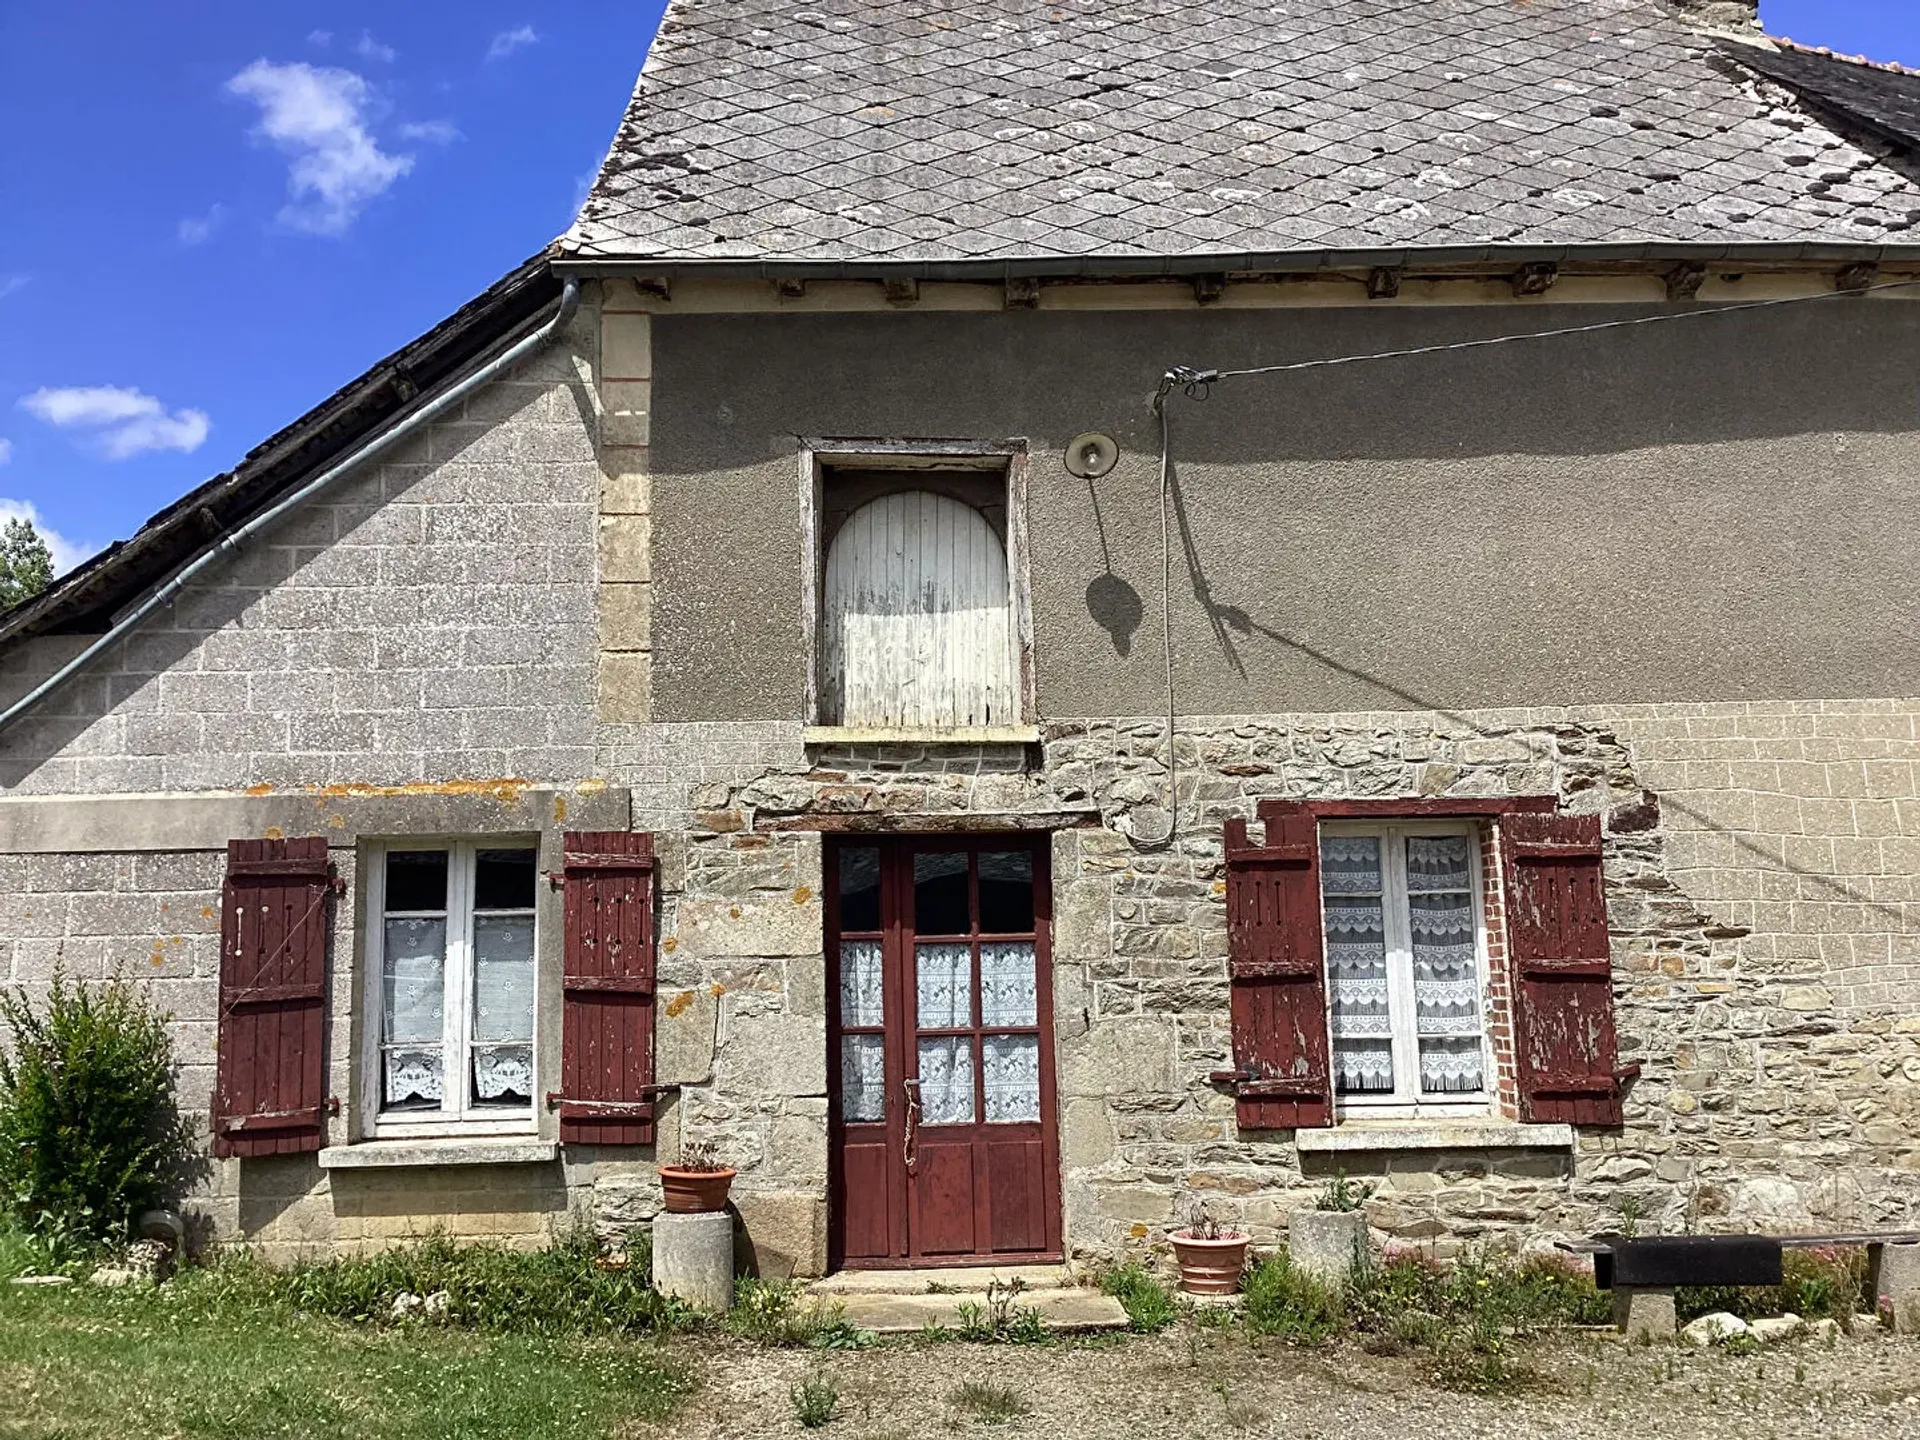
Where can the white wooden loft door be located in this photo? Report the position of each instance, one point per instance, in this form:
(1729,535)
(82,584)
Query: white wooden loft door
(918,618)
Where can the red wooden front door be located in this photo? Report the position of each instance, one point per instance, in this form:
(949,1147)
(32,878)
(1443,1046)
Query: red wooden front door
(943,1113)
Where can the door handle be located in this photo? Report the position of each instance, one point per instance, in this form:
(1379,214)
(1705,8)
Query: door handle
(912,1087)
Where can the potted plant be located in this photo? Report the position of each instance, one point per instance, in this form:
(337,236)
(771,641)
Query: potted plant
(1331,1240)
(698,1183)
(1210,1258)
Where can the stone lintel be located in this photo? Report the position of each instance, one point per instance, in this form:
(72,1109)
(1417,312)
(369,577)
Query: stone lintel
(955,822)
(1453,1135)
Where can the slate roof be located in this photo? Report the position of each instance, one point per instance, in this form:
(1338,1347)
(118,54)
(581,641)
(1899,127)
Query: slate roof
(839,134)
(1883,100)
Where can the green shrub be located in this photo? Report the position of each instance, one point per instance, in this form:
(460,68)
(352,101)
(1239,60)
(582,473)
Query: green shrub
(1149,1307)
(1285,1301)
(773,1312)
(89,1136)
(1001,1320)
(987,1402)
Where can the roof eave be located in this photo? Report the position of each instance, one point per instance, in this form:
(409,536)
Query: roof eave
(1308,261)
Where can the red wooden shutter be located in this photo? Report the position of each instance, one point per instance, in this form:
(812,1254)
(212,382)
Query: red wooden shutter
(270,1093)
(606,1060)
(1278,970)
(1564,1045)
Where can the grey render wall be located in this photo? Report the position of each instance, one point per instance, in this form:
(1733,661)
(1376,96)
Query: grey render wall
(1714,510)
(430,619)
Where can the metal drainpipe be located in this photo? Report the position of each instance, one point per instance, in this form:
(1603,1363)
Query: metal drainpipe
(386,439)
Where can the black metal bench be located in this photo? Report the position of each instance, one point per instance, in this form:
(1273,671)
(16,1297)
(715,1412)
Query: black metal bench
(1643,1272)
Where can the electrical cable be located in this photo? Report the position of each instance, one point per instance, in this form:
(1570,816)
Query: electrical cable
(1197,384)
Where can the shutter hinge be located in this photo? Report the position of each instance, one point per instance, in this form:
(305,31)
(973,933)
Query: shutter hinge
(555,1099)
(1234,1078)
(1629,1071)
(333,1105)
(337,884)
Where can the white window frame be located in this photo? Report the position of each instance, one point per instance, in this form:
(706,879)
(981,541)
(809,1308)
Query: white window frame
(456,1114)
(1407,1102)
(1006,458)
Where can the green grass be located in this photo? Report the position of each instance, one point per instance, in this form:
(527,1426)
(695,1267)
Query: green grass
(1149,1307)
(79,1362)
(987,1402)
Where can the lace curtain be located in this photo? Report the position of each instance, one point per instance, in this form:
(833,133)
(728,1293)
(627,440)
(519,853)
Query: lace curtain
(1009,989)
(862,998)
(1010,1067)
(946,1080)
(413,995)
(943,986)
(503,1009)
(1357,964)
(1446,981)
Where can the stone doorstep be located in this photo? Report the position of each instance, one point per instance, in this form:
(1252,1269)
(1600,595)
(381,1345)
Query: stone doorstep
(895,1314)
(966,1280)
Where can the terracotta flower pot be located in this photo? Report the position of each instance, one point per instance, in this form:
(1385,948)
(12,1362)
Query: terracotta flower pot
(1210,1267)
(694,1192)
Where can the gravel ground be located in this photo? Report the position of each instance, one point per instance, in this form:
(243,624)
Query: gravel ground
(1211,1383)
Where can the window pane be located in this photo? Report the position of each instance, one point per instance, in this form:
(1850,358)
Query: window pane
(862,997)
(416,880)
(502,977)
(412,1001)
(1010,1066)
(946,1080)
(503,1075)
(503,880)
(1009,992)
(1357,963)
(860,889)
(940,894)
(943,986)
(1446,980)
(863,1078)
(1006,892)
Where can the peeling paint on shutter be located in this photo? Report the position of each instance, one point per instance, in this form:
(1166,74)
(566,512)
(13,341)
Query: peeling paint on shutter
(1565,1048)
(606,1052)
(1278,968)
(270,1093)
(918,617)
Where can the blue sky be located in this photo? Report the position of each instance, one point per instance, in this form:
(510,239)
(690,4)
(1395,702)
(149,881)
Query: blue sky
(213,215)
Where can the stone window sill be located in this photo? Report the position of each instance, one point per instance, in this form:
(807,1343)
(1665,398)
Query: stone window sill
(922,735)
(1441,1135)
(415,1154)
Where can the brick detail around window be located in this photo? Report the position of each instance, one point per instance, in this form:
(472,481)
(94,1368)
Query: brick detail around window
(625,592)
(1499,975)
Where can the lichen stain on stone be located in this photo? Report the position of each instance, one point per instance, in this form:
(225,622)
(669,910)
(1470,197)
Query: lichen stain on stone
(670,944)
(716,991)
(559,809)
(733,911)
(508,791)
(590,786)
(261,789)
(678,1005)
(802,895)
(275,832)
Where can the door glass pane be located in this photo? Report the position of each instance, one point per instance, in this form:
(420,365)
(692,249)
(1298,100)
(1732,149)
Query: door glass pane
(862,999)
(1357,963)
(1010,1067)
(859,890)
(943,986)
(1006,892)
(1008,991)
(940,894)
(863,1078)
(503,1009)
(1446,980)
(413,993)
(946,1080)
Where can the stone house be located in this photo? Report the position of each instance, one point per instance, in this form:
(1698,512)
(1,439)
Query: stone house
(841,658)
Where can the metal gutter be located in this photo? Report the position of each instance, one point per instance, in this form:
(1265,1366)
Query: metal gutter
(376,444)
(1101,266)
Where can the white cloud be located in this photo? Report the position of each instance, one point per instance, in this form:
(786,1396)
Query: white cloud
(66,553)
(508,41)
(434,132)
(318,117)
(368,48)
(119,421)
(11,283)
(6,452)
(198,229)
(320,38)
